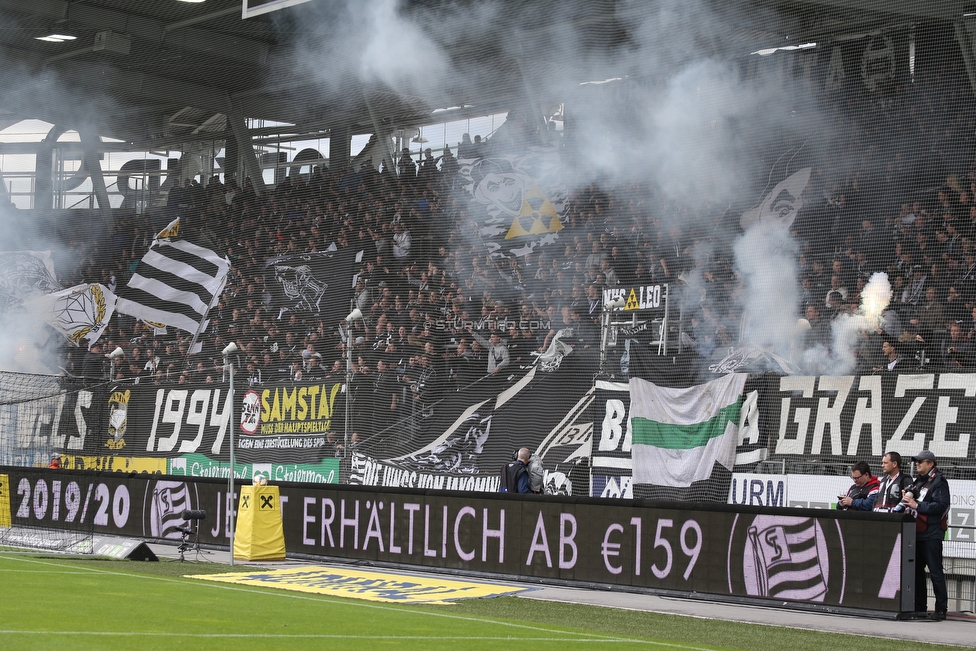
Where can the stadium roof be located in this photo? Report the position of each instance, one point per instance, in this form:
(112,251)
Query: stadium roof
(160,72)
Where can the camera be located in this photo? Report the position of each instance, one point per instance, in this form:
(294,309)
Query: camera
(907,494)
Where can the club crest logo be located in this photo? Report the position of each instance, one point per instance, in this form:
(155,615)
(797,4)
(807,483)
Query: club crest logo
(118,417)
(164,506)
(787,558)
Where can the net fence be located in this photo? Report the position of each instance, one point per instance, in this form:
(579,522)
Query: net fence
(798,215)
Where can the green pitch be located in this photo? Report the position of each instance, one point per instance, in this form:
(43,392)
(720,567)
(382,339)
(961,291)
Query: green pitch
(58,603)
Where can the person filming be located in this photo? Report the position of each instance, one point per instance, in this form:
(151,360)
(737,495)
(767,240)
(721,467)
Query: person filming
(927,500)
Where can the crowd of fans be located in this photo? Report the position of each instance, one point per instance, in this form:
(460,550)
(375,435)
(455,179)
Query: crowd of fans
(441,315)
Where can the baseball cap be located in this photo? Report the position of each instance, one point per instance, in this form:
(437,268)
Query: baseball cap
(924,455)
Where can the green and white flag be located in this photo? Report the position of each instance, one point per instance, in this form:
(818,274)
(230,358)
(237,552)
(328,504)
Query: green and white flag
(679,434)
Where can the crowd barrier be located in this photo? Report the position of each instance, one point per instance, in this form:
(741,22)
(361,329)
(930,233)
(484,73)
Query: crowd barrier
(820,559)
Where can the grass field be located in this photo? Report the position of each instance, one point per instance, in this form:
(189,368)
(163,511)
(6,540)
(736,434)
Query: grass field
(60,603)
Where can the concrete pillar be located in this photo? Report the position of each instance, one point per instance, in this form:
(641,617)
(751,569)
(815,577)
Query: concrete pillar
(340,144)
(246,151)
(90,143)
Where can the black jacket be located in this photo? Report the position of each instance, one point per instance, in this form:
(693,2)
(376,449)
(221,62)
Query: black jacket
(933,505)
(889,492)
(515,478)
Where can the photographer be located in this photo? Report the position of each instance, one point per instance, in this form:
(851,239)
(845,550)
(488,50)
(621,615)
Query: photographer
(928,501)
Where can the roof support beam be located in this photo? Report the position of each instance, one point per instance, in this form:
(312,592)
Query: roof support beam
(91,142)
(966,36)
(246,149)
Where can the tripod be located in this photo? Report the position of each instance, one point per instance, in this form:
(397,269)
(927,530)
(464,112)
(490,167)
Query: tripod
(185,533)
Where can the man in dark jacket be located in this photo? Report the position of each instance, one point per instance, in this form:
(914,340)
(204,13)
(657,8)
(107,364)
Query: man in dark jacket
(893,484)
(928,501)
(860,496)
(515,474)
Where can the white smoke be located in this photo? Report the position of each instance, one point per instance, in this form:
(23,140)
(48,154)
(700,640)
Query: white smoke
(766,262)
(849,331)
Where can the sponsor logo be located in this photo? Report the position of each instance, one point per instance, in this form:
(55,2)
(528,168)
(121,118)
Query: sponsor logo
(113,463)
(361,584)
(250,412)
(297,410)
(325,471)
(164,505)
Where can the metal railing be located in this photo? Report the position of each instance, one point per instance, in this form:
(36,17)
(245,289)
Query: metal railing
(959,564)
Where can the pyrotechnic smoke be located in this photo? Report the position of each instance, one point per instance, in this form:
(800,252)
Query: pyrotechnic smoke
(848,331)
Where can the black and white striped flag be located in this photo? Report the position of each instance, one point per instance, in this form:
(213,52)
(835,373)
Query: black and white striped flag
(175,284)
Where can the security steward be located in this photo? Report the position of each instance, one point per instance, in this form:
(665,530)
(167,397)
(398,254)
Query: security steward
(928,500)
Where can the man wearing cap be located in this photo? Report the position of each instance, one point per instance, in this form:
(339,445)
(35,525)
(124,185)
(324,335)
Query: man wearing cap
(928,500)
(55,461)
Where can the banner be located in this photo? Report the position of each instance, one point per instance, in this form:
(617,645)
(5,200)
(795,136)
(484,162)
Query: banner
(612,464)
(821,558)
(517,201)
(468,436)
(80,312)
(40,415)
(314,284)
(846,418)
(288,425)
(24,275)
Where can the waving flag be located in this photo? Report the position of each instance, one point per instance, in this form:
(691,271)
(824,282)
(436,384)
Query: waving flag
(24,275)
(680,433)
(175,283)
(80,312)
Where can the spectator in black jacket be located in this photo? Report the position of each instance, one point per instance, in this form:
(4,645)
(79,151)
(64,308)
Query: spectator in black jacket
(929,502)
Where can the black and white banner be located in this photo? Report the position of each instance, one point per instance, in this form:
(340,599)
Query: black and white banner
(470,435)
(41,415)
(821,558)
(175,284)
(314,284)
(848,418)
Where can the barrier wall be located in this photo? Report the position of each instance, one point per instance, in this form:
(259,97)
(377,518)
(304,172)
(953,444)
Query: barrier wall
(821,558)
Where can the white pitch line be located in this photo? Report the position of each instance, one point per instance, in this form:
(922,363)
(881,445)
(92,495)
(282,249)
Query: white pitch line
(278,592)
(58,572)
(324,636)
(327,636)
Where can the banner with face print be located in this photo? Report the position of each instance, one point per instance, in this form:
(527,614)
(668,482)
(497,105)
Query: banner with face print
(518,202)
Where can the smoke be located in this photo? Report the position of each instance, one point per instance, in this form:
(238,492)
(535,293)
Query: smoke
(849,330)
(766,261)
(69,100)
(381,42)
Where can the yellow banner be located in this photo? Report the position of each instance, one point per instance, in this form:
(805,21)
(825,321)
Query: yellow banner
(4,501)
(362,584)
(114,464)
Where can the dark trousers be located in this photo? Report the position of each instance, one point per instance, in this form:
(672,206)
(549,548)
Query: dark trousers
(928,553)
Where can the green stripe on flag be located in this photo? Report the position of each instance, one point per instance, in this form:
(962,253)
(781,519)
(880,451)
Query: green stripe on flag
(684,437)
